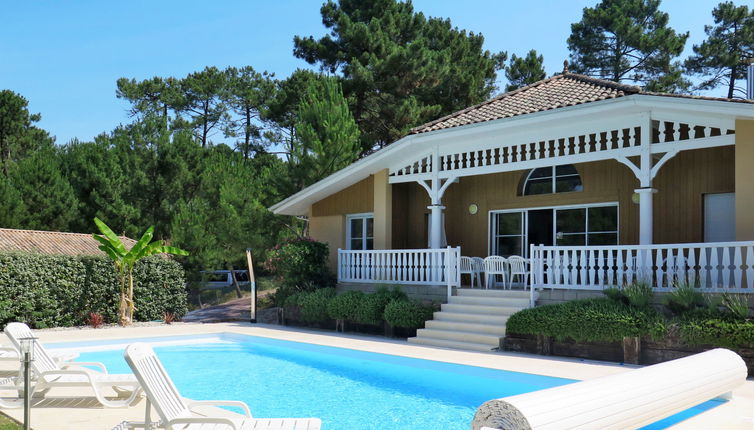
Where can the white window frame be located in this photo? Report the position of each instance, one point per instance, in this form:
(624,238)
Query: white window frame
(525,222)
(553,182)
(363,216)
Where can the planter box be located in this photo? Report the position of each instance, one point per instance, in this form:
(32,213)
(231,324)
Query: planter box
(647,351)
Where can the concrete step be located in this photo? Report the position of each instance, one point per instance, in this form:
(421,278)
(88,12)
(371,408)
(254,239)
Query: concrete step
(480,292)
(442,343)
(479,309)
(490,301)
(462,336)
(494,329)
(471,318)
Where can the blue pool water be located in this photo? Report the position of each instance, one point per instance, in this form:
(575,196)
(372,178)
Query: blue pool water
(347,389)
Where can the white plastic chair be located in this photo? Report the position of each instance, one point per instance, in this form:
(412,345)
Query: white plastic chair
(493,266)
(49,374)
(469,267)
(478,268)
(518,266)
(175,412)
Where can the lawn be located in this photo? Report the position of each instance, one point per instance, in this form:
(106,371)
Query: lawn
(8,424)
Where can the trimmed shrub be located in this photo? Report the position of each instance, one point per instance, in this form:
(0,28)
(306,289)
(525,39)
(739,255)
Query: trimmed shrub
(718,331)
(301,265)
(407,313)
(372,307)
(587,320)
(314,305)
(49,291)
(344,307)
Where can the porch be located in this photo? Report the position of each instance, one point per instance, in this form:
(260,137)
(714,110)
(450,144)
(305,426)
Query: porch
(720,267)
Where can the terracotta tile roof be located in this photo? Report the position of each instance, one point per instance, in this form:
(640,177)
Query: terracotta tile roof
(52,242)
(567,89)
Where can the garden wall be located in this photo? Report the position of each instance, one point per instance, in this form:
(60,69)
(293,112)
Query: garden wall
(55,291)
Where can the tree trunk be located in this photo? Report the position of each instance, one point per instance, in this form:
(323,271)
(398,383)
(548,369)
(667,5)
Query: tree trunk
(732,81)
(247,135)
(235,282)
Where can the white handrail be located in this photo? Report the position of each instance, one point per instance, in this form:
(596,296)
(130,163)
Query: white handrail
(713,267)
(401,266)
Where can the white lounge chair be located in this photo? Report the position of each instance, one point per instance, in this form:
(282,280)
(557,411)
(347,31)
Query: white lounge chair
(175,412)
(49,374)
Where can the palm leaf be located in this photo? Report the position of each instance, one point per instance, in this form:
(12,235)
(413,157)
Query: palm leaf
(173,250)
(141,244)
(110,236)
(106,243)
(110,253)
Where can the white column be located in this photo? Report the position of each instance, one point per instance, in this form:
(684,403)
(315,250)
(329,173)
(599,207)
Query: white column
(436,227)
(645,215)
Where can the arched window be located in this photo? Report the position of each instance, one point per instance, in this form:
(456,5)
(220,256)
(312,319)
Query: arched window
(548,180)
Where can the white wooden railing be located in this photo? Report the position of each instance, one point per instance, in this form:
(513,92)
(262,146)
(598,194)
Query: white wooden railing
(711,267)
(401,266)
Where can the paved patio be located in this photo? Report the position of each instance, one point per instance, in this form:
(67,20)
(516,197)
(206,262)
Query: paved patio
(57,414)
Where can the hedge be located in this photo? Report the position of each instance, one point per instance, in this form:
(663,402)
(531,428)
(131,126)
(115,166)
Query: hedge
(717,331)
(54,291)
(590,320)
(407,313)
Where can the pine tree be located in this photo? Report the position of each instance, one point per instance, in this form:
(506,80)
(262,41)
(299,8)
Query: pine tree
(628,41)
(523,71)
(327,135)
(249,94)
(400,68)
(18,135)
(720,58)
(203,100)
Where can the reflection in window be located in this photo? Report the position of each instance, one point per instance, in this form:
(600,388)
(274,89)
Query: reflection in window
(555,179)
(587,226)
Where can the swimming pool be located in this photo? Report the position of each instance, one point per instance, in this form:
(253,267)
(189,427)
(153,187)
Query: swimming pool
(347,389)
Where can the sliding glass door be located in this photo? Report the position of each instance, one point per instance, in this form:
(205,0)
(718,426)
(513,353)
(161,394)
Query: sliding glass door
(511,232)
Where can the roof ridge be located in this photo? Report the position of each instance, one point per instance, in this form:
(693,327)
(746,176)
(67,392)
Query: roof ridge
(634,89)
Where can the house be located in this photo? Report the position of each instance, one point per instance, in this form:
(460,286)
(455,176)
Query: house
(597,183)
(52,242)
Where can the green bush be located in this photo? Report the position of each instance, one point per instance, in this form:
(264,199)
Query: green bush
(737,305)
(372,307)
(345,306)
(718,331)
(684,298)
(590,320)
(50,291)
(639,295)
(314,305)
(407,313)
(300,265)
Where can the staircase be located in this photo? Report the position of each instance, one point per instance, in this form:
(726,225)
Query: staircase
(474,319)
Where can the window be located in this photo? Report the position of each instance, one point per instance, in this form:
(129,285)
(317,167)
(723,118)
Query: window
(360,231)
(596,225)
(508,234)
(549,180)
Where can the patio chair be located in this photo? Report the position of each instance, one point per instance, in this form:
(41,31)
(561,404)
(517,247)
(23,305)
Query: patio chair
(479,268)
(493,266)
(49,374)
(176,413)
(469,267)
(518,266)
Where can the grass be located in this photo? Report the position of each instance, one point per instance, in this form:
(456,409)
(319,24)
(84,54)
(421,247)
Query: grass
(8,424)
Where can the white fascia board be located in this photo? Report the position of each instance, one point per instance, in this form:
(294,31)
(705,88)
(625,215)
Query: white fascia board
(716,108)
(298,204)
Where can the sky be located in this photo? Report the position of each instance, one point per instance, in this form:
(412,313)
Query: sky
(65,57)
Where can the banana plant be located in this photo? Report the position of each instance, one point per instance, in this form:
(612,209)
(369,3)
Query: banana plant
(125,260)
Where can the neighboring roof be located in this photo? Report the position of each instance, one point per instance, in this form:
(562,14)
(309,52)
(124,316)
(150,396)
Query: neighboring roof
(52,242)
(567,89)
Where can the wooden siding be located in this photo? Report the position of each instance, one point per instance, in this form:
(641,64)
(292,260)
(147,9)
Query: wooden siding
(358,198)
(681,184)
